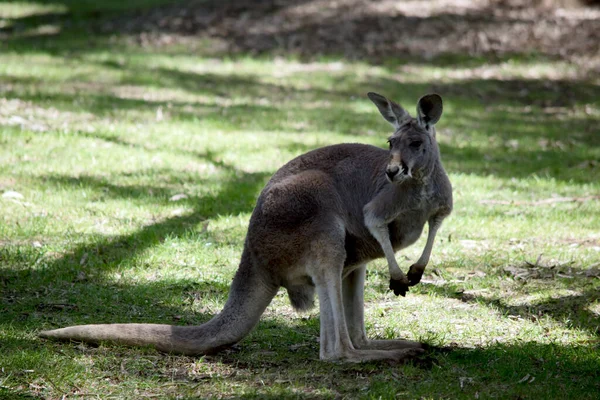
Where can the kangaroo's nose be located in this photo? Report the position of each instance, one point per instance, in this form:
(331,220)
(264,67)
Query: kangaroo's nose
(392,171)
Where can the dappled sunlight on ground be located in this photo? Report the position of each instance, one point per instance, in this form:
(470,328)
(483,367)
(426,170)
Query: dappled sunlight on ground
(136,136)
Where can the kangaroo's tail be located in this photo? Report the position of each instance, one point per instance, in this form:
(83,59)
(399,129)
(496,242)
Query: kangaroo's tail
(249,296)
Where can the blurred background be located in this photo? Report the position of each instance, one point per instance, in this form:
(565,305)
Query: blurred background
(373,31)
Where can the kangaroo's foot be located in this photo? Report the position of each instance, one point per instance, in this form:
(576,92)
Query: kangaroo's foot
(360,355)
(394,344)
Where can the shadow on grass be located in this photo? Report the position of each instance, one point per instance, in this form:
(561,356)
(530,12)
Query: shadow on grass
(264,106)
(60,277)
(37,298)
(455,35)
(522,141)
(509,91)
(230,86)
(566,370)
(237,195)
(567,166)
(500,368)
(570,310)
(10,394)
(514,370)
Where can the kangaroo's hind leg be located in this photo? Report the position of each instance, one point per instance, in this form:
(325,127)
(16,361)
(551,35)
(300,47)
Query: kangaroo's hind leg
(325,268)
(353,295)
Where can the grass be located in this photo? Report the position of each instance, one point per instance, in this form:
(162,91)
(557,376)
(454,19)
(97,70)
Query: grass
(138,168)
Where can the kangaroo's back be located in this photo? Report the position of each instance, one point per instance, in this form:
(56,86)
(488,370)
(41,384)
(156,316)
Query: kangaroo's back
(344,162)
(353,170)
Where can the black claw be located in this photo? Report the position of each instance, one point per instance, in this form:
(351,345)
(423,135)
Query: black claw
(414,277)
(399,287)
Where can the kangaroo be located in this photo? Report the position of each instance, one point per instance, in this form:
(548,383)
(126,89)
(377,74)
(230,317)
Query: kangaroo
(317,223)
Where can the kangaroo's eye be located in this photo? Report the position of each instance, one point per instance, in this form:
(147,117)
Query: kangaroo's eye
(416,144)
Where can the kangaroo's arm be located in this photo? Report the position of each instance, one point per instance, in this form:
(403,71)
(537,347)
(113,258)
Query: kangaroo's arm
(377,220)
(416,270)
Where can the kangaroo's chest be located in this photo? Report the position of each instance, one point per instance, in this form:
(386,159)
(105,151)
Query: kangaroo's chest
(407,228)
(403,231)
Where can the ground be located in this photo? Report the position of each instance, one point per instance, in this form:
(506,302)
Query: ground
(135,137)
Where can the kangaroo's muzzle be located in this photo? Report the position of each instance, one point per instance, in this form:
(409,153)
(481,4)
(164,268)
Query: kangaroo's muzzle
(397,171)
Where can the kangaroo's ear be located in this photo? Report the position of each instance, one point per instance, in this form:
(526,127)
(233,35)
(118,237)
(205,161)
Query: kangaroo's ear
(429,110)
(392,112)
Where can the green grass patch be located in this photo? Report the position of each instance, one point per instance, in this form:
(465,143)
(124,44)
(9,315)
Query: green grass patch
(135,170)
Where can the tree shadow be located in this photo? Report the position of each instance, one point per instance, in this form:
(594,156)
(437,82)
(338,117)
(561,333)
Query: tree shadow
(66,276)
(44,302)
(228,86)
(558,143)
(458,35)
(237,195)
(153,302)
(7,393)
(500,161)
(563,370)
(480,92)
(500,368)
(259,105)
(570,310)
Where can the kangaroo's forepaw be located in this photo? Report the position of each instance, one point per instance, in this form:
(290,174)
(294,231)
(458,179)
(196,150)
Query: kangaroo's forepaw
(400,287)
(414,275)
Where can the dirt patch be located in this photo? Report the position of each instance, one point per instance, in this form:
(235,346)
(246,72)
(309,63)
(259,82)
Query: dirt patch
(373,31)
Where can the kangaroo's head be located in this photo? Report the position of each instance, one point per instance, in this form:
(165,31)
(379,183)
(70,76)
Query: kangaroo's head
(413,149)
